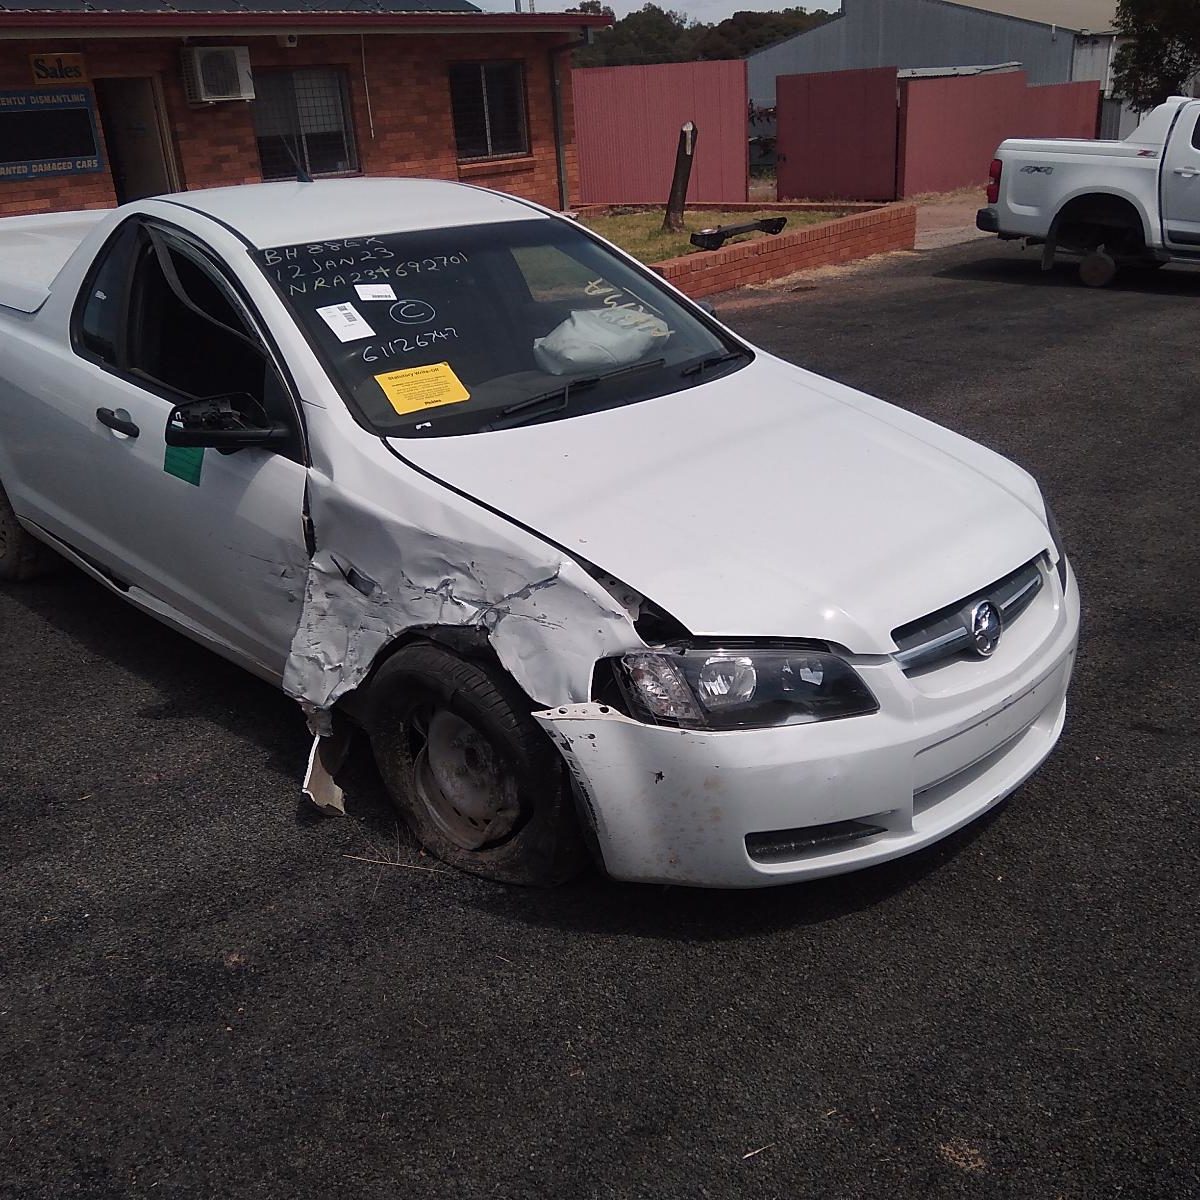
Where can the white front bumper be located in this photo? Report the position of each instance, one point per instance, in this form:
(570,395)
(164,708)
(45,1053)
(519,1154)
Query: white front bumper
(676,806)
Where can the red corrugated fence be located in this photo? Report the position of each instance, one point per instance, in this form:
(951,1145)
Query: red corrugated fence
(868,135)
(836,135)
(627,123)
(950,128)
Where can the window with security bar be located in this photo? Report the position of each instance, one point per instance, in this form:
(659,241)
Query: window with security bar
(488,99)
(302,118)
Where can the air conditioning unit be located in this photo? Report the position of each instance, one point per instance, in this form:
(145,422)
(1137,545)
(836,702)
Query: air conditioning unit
(217,73)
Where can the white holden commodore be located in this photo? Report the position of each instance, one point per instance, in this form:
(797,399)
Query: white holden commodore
(596,576)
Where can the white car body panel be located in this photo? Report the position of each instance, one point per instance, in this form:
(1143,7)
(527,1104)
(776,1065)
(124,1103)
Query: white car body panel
(1041,176)
(768,503)
(675,806)
(750,480)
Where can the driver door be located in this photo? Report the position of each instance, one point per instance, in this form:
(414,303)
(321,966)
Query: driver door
(214,541)
(1181,183)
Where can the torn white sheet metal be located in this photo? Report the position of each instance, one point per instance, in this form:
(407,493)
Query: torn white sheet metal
(378,573)
(319,785)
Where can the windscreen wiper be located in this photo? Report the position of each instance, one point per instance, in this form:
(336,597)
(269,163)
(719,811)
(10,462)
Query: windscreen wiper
(556,399)
(713,360)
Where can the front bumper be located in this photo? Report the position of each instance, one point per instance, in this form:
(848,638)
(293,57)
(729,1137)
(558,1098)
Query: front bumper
(677,806)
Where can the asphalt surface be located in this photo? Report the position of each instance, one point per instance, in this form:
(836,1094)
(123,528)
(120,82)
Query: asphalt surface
(205,992)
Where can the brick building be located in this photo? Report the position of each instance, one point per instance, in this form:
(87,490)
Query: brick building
(100,107)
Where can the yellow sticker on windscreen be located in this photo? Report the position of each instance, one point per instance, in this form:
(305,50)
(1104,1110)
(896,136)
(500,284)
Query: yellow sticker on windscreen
(418,388)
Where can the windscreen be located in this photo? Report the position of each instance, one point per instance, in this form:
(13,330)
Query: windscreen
(462,330)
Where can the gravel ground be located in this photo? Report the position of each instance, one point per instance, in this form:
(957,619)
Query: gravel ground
(206,991)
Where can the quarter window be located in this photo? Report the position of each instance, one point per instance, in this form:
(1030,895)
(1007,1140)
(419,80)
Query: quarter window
(488,100)
(100,325)
(1196,134)
(303,118)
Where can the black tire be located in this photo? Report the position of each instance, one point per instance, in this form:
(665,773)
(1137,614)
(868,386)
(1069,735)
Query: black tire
(22,556)
(1098,269)
(532,836)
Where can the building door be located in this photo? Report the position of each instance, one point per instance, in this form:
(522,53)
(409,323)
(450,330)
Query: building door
(135,132)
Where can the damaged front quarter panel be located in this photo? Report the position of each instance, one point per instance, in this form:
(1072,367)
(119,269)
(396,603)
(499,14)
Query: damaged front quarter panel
(437,560)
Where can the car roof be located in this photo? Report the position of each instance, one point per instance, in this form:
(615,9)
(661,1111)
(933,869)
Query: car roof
(284,214)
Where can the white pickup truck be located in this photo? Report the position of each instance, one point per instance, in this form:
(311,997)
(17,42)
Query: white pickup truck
(1134,202)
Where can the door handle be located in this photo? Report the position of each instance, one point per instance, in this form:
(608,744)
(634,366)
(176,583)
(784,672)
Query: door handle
(1187,172)
(106,416)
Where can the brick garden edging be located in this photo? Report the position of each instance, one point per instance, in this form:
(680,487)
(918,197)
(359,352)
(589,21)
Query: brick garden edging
(872,230)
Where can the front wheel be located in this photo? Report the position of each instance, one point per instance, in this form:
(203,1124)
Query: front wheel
(1098,269)
(473,775)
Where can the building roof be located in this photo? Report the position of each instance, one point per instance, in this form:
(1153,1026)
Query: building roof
(147,7)
(203,18)
(1094,15)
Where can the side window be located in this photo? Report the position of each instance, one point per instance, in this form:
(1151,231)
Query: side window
(1196,134)
(185,330)
(156,309)
(100,307)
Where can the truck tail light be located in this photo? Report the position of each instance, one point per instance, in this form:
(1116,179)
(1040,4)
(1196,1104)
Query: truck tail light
(993,191)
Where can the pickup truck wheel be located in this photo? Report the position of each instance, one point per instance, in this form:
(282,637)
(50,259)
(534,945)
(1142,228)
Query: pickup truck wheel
(22,556)
(1098,269)
(471,772)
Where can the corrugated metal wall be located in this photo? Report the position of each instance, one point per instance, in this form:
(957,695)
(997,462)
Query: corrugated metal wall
(859,135)
(836,135)
(913,33)
(950,128)
(627,123)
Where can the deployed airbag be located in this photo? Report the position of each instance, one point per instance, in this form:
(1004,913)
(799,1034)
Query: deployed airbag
(597,338)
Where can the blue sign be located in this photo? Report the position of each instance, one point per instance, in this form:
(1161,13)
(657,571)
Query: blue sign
(47,132)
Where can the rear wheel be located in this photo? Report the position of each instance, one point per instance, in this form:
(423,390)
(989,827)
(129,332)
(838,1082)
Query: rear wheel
(22,556)
(473,775)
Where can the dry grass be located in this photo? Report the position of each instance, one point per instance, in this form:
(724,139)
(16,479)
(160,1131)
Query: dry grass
(640,233)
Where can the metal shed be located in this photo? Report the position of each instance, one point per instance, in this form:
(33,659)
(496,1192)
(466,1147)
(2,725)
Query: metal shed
(917,33)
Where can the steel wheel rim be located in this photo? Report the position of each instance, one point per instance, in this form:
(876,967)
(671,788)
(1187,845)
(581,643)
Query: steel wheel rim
(462,784)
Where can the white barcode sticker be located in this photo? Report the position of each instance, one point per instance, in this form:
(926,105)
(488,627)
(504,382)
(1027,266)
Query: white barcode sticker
(345,321)
(374,291)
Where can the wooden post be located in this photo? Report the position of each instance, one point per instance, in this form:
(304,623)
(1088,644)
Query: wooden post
(673,220)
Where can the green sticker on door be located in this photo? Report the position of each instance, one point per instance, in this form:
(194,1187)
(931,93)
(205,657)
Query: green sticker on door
(184,462)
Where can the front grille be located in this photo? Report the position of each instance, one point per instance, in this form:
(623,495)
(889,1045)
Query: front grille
(945,634)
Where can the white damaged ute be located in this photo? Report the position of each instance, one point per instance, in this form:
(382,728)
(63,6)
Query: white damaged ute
(594,574)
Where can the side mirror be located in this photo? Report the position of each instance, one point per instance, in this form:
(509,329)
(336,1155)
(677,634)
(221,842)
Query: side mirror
(704,306)
(225,423)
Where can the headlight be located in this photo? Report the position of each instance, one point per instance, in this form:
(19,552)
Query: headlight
(740,689)
(1056,537)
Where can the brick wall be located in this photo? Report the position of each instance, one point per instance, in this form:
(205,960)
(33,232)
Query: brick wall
(408,85)
(842,240)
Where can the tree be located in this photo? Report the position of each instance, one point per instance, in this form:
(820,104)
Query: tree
(1163,53)
(650,35)
(745,32)
(658,35)
(594,7)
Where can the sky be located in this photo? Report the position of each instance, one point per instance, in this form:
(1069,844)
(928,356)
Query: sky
(698,10)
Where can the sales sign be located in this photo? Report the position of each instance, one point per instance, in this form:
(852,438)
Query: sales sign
(56,69)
